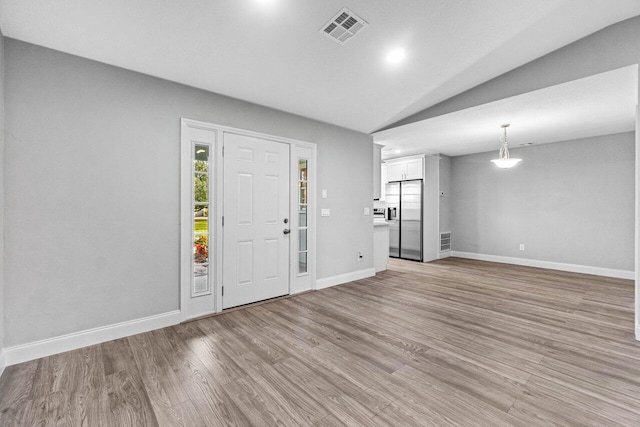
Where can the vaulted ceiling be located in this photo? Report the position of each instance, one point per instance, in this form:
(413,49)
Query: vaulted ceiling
(271,52)
(602,104)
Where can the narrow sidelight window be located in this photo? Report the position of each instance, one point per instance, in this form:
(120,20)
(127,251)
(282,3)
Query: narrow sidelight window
(201,225)
(303,228)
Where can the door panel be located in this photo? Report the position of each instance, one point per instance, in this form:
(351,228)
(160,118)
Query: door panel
(256,203)
(244,206)
(392,191)
(245,262)
(271,193)
(411,224)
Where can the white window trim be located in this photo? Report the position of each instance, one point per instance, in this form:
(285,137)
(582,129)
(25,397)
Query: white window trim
(213,134)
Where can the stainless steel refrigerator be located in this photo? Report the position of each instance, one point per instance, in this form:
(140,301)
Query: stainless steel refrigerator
(404,214)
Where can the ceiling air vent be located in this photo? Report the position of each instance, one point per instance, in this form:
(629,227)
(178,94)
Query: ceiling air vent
(344,25)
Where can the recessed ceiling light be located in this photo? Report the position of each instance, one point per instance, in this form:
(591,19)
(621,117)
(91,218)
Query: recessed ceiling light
(264,2)
(396,55)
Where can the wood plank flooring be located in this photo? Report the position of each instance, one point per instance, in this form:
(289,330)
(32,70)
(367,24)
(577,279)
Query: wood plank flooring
(453,342)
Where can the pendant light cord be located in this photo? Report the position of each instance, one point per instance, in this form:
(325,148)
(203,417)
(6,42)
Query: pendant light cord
(504,161)
(504,150)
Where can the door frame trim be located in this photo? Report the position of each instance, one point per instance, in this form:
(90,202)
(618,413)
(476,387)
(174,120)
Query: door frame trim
(213,302)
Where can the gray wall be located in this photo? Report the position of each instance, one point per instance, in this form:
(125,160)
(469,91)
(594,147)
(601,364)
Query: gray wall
(92,190)
(2,171)
(445,185)
(569,202)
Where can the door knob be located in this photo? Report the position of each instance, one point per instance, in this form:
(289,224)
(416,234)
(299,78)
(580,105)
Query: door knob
(286,231)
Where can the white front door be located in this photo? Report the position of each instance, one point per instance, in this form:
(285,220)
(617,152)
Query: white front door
(256,220)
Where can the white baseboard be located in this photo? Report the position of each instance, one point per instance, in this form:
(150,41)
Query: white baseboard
(327,282)
(47,347)
(205,313)
(3,360)
(637,332)
(575,268)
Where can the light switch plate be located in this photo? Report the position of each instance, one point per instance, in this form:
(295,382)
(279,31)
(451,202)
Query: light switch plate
(325,212)
(324,193)
(366,211)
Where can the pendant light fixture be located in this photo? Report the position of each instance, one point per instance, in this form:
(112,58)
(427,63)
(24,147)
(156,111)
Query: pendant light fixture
(504,161)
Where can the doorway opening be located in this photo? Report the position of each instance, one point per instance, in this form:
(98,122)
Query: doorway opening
(248,224)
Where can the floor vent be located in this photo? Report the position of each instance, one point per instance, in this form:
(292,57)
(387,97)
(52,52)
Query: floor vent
(343,26)
(445,241)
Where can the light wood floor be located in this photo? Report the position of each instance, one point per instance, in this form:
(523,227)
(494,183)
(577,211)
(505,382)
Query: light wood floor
(455,342)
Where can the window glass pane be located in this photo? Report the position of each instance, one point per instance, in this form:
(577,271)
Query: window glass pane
(200,166)
(201,187)
(200,275)
(201,154)
(303,192)
(303,215)
(302,170)
(200,225)
(201,219)
(302,262)
(201,206)
(302,241)
(201,249)
(201,158)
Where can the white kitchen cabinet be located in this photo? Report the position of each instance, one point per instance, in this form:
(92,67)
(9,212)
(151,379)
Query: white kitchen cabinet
(396,171)
(380,245)
(413,169)
(404,168)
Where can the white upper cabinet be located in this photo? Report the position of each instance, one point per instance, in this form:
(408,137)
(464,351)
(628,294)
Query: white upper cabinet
(413,169)
(396,171)
(404,169)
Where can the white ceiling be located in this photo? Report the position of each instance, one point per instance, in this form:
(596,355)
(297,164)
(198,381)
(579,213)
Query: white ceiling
(602,104)
(270,52)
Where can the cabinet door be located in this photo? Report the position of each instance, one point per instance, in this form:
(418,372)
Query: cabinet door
(413,169)
(395,171)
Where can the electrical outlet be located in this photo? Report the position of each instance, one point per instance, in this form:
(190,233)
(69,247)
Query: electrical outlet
(359,256)
(522,246)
